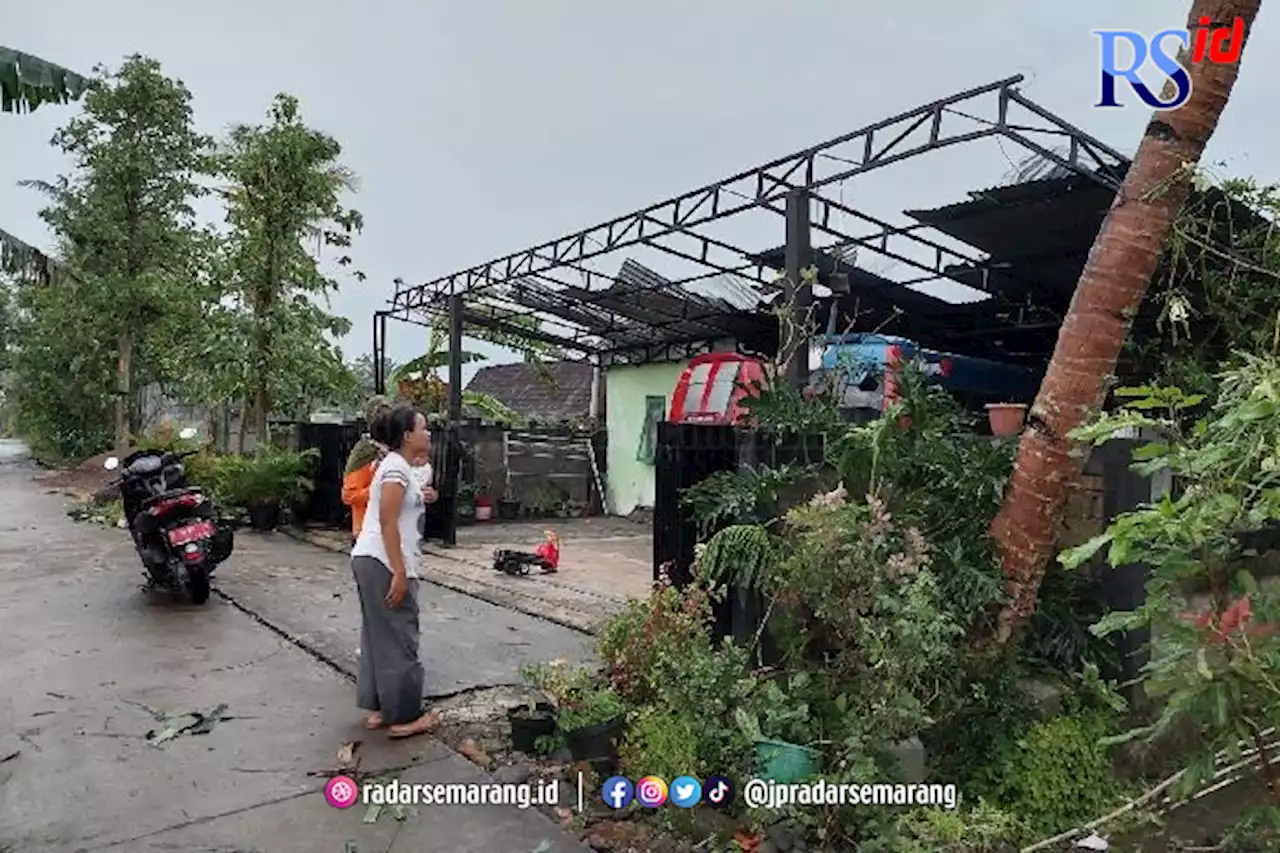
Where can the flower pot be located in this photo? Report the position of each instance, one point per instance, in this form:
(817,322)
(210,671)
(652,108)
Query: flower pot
(597,744)
(484,509)
(527,725)
(508,510)
(786,762)
(1006,418)
(264,515)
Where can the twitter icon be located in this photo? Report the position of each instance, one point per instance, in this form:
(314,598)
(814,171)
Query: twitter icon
(686,792)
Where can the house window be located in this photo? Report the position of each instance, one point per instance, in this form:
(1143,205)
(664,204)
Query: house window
(655,410)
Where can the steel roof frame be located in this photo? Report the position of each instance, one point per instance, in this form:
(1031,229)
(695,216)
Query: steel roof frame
(521,282)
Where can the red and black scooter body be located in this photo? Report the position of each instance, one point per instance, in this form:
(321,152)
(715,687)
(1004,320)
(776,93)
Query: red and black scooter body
(176,528)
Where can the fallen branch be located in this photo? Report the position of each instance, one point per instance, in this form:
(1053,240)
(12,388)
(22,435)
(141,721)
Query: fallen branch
(1248,754)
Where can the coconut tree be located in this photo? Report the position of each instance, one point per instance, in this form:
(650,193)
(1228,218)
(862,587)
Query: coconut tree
(1111,289)
(27,82)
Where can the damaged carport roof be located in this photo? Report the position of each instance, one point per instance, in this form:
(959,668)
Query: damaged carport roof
(592,313)
(1040,232)
(986,329)
(640,302)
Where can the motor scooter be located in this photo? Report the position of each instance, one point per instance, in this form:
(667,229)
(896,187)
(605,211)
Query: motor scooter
(176,529)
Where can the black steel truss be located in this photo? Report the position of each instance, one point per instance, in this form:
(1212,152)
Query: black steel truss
(585,320)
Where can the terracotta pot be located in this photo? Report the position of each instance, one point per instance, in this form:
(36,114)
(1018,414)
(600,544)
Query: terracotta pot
(1006,418)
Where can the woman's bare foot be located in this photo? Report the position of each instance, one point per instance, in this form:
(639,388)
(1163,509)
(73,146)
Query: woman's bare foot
(425,724)
(374,721)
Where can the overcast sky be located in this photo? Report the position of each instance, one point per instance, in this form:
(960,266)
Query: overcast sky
(478,128)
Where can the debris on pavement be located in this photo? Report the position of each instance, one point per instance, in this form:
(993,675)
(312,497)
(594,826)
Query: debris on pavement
(398,812)
(190,723)
(348,764)
(109,514)
(347,754)
(543,846)
(616,835)
(1093,842)
(474,753)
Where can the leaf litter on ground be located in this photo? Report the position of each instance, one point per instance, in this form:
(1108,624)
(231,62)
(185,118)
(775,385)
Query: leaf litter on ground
(398,812)
(348,764)
(191,723)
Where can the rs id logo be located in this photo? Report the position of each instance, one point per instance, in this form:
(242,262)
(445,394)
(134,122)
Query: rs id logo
(1219,43)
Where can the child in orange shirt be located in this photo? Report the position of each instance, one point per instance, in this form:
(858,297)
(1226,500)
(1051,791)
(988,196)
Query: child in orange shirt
(361,465)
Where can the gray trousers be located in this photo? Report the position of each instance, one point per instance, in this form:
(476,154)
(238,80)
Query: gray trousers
(390,678)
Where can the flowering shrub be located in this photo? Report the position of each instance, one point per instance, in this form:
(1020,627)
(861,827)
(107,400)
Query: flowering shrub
(1217,669)
(638,646)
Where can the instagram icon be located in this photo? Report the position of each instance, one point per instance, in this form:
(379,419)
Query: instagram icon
(651,791)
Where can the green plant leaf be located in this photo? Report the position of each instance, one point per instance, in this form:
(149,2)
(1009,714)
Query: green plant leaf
(1073,558)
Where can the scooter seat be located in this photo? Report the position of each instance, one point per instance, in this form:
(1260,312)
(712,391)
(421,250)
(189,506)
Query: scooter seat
(169,495)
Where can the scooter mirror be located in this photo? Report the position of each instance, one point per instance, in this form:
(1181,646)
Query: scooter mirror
(111,463)
(188,433)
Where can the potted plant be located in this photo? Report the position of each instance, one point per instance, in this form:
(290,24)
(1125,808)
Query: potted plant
(267,481)
(466,503)
(781,731)
(509,507)
(590,716)
(531,723)
(1006,418)
(483,502)
(591,720)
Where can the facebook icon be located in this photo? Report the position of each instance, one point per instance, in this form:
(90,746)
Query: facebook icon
(617,792)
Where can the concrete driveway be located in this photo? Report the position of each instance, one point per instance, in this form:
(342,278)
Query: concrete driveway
(88,663)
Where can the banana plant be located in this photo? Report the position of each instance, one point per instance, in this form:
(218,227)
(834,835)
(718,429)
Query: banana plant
(28,82)
(419,380)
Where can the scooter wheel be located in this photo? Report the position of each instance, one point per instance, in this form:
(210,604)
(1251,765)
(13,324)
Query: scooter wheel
(198,584)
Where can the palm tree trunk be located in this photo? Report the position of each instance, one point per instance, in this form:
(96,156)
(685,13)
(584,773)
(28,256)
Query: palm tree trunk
(1111,289)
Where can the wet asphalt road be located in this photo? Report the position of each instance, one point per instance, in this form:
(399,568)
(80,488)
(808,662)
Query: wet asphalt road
(87,659)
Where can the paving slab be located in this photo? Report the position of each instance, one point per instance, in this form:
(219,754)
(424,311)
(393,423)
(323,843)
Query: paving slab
(604,562)
(86,661)
(297,823)
(308,593)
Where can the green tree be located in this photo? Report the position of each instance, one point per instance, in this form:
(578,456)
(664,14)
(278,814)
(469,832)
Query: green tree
(61,371)
(284,195)
(124,221)
(363,369)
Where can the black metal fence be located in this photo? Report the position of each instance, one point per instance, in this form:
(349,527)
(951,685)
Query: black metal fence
(685,455)
(333,443)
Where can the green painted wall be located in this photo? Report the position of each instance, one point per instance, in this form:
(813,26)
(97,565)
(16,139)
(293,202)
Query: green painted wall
(631,482)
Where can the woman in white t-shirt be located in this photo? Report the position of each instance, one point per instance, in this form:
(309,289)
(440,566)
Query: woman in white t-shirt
(385,564)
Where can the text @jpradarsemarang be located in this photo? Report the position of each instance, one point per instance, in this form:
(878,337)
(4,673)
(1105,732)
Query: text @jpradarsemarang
(767,794)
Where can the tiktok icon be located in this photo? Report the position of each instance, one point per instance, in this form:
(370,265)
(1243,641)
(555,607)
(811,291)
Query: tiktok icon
(717,792)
